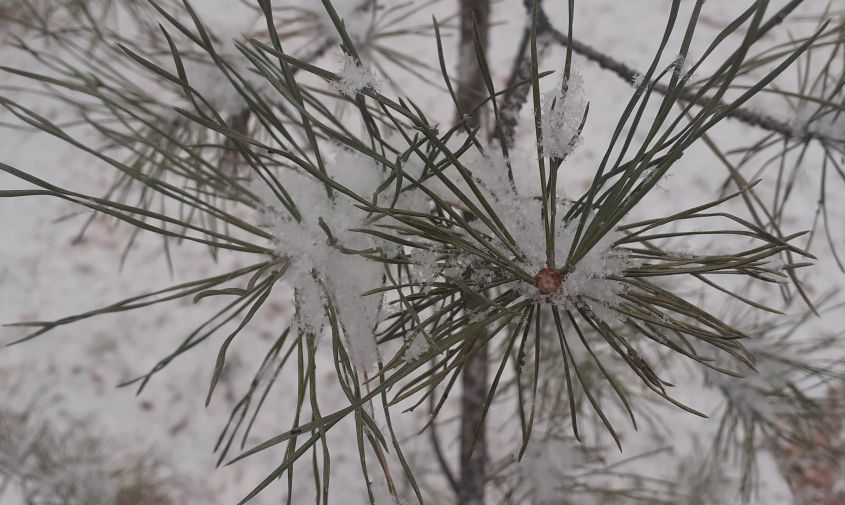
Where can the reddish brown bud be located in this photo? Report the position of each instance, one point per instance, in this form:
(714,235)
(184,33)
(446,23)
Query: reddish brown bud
(548,280)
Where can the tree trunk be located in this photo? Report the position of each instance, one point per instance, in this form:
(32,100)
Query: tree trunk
(473,475)
(475,16)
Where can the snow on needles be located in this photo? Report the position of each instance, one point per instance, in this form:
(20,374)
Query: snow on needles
(354,78)
(563,113)
(320,272)
(594,283)
(417,346)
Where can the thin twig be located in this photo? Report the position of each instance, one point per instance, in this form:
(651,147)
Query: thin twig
(520,72)
(628,74)
(438,449)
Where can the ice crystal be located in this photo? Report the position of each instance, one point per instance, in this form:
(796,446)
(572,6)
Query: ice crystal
(425,266)
(563,113)
(355,77)
(638,80)
(417,346)
(683,65)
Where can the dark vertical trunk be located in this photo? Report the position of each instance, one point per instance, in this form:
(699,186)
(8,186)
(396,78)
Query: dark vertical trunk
(475,16)
(473,474)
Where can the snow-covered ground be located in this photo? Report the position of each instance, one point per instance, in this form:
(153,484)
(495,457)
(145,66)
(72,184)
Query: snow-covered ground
(73,371)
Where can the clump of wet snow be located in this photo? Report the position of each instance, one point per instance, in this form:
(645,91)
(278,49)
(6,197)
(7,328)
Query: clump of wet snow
(417,346)
(564,108)
(355,77)
(320,272)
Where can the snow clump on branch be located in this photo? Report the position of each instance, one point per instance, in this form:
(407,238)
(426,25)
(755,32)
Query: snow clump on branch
(564,110)
(595,283)
(354,78)
(326,266)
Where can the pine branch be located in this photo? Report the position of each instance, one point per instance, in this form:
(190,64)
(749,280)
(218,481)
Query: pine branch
(456,337)
(628,74)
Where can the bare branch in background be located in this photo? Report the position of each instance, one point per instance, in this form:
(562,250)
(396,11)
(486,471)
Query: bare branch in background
(546,31)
